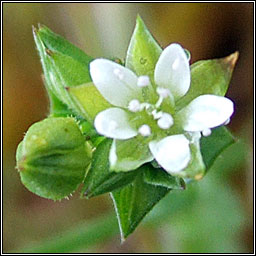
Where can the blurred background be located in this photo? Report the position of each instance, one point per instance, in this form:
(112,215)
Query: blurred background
(214,215)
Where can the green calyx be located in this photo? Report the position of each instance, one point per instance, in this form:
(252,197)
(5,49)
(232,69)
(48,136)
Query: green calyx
(53,157)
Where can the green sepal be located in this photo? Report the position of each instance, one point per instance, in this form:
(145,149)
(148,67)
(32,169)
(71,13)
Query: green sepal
(90,133)
(89,100)
(196,167)
(209,77)
(134,201)
(127,155)
(143,51)
(71,71)
(64,65)
(53,157)
(56,43)
(56,105)
(159,177)
(213,145)
(100,179)
(58,108)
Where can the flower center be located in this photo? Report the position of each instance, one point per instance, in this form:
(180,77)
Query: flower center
(163,120)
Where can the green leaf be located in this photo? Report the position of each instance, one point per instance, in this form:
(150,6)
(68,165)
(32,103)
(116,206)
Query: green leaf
(53,157)
(90,133)
(143,51)
(64,65)
(57,107)
(56,43)
(71,71)
(134,201)
(159,177)
(89,100)
(213,145)
(65,73)
(55,102)
(209,77)
(100,179)
(129,154)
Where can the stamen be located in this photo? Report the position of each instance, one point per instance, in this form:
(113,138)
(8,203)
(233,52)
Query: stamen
(163,92)
(176,64)
(166,121)
(206,132)
(145,130)
(118,73)
(146,106)
(143,81)
(134,105)
(156,114)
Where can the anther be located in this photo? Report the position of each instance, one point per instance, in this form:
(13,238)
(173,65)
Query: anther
(206,132)
(134,105)
(143,81)
(163,92)
(145,130)
(156,114)
(146,106)
(165,122)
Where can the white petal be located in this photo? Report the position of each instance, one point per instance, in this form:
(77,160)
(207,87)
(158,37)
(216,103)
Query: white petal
(172,70)
(172,152)
(114,123)
(206,111)
(117,84)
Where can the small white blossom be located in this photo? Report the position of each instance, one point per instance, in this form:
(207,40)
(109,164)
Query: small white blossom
(135,115)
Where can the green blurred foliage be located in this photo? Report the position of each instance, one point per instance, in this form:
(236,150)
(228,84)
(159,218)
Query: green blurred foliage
(213,215)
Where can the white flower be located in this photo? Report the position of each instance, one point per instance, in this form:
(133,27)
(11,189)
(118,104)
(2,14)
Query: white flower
(144,107)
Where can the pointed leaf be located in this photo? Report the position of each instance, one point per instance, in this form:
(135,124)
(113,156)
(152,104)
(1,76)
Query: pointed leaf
(55,101)
(71,71)
(65,72)
(53,157)
(134,201)
(57,107)
(57,94)
(209,77)
(143,51)
(63,64)
(159,177)
(100,179)
(213,145)
(89,100)
(56,43)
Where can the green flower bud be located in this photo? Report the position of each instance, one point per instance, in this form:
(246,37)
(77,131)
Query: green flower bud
(53,158)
